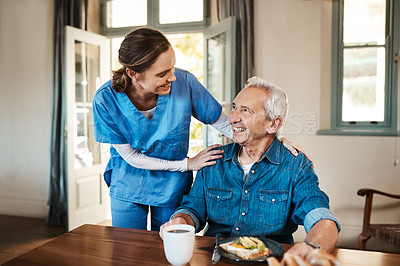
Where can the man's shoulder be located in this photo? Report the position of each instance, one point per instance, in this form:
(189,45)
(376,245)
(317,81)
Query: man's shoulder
(288,160)
(229,152)
(225,159)
(228,147)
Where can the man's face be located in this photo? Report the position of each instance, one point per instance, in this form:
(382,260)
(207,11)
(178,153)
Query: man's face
(248,118)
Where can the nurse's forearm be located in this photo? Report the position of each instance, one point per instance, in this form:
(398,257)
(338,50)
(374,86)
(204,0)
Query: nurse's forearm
(222,125)
(139,160)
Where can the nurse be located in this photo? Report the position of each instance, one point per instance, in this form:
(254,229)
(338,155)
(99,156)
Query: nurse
(144,112)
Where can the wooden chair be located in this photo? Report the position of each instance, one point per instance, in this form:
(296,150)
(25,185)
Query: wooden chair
(389,233)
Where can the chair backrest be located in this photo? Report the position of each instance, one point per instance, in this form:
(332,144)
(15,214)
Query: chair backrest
(390,233)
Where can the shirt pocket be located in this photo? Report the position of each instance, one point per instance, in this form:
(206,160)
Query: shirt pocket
(272,207)
(219,203)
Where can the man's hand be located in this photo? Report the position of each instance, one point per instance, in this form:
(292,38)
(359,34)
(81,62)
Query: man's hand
(300,249)
(175,220)
(205,158)
(299,255)
(323,233)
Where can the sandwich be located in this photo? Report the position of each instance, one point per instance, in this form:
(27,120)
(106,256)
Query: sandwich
(247,248)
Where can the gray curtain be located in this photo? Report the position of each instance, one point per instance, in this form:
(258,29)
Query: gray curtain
(243,11)
(72,13)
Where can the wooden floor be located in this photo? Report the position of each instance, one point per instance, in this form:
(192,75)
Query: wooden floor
(19,235)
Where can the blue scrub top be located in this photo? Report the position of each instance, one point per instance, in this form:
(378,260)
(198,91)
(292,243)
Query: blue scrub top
(165,136)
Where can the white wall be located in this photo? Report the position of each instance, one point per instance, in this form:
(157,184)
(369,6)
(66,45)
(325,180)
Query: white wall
(26,71)
(293,49)
(25,105)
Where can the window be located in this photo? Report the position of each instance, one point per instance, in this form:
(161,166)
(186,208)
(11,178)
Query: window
(365,46)
(121,16)
(125,13)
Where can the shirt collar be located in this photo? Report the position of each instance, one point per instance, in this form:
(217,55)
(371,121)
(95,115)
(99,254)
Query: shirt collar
(272,154)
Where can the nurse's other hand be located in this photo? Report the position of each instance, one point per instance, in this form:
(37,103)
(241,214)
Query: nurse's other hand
(294,148)
(205,158)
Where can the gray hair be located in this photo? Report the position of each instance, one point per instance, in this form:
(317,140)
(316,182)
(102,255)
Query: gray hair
(277,104)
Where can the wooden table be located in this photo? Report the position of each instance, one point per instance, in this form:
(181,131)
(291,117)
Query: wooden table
(104,245)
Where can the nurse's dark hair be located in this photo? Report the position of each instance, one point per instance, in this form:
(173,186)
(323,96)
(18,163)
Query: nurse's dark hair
(138,51)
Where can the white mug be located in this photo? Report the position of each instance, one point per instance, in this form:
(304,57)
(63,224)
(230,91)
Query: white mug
(178,243)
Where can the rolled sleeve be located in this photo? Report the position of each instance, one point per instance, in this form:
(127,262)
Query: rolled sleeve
(318,214)
(191,214)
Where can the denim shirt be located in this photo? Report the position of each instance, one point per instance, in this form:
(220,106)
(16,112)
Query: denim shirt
(280,192)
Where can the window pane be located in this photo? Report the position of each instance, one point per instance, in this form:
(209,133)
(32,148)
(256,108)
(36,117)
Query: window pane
(177,11)
(363,84)
(216,67)
(125,13)
(87,81)
(364,21)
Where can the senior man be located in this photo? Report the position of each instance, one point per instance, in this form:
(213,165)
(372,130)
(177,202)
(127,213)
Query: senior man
(259,187)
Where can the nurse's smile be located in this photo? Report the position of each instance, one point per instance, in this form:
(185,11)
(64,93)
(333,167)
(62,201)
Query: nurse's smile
(168,86)
(165,89)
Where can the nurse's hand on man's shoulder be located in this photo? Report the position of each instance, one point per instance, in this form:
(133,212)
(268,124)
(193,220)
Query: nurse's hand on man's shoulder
(205,158)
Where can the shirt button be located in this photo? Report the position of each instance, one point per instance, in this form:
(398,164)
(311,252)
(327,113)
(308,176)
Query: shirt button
(237,228)
(252,171)
(243,213)
(246,191)
(218,198)
(273,200)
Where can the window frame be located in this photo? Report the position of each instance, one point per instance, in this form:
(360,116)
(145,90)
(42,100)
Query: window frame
(389,125)
(153,11)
